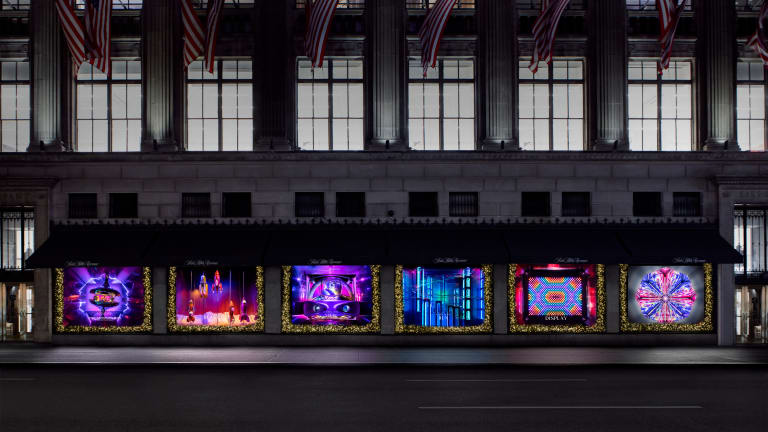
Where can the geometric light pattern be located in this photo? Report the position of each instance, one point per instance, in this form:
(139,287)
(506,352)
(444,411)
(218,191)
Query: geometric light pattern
(666,295)
(555,296)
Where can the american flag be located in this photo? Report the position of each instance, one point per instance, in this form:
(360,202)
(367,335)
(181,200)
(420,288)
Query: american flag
(432,31)
(544,31)
(669,16)
(197,43)
(319,15)
(757,41)
(88,41)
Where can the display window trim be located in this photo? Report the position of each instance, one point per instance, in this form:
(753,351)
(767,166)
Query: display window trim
(598,327)
(256,327)
(58,309)
(484,328)
(706,325)
(374,326)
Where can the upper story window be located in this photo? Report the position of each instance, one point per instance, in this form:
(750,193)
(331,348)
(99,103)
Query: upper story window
(441,106)
(748,5)
(750,238)
(116,4)
(330,105)
(343,4)
(552,106)
(750,105)
(220,106)
(109,109)
(15,109)
(15,4)
(666,126)
(424,4)
(17,236)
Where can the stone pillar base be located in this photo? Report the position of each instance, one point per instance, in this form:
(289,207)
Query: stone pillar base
(609,145)
(499,145)
(266,144)
(166,146)
(387,146)
(56,146)
(720,145)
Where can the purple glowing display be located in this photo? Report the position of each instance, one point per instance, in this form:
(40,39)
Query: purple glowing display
(331,295)
(103,297)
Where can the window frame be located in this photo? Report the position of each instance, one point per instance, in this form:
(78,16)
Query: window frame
(441,81)
(17,83)
(329,81)
(23,228)
(749,83)
(551,82)
(660,82)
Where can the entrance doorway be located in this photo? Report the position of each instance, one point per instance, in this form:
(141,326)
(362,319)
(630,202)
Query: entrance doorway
(16,306)
(751,314)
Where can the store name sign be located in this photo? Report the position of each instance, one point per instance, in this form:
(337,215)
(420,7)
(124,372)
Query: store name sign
(688,260)
(449,260)
(570,260)
(200,262)
(85,263)
(323,261)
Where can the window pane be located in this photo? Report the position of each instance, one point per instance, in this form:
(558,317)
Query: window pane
(340,100)
(210,101)
(451,100)
(210,135)
(466,100)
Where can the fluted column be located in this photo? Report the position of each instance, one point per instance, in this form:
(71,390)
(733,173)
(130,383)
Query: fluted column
(386,69)
(51,80)
(162,76)
(274,75)
(607,66)
(497,75)
(716,73)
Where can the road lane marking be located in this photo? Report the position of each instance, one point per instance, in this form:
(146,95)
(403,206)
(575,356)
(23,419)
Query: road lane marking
(563,407)
(520,380)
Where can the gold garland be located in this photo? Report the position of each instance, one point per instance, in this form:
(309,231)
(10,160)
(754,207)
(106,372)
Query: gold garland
(485,327)
(372,327)
(597,327)
(58,301)
(256,327)
(705,325)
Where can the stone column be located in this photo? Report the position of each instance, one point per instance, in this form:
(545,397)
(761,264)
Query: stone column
(274,77)
(500,298)
(272,299)
(51,80)
(386,69)
(716,74)
(497,75)
(162,76)
(607,66)
(387,301)
(160,300)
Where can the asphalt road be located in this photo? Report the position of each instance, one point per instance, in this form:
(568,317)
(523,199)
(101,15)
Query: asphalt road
(403,399)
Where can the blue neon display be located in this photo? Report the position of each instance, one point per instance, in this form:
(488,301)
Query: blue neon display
(443,297)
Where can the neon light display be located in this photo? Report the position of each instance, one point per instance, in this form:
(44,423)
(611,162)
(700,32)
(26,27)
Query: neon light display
(103,297)
(556,295)
(220,297)
(331,295)
(667,297)
(443,297)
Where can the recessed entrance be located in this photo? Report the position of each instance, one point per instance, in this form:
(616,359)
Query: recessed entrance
(16,305)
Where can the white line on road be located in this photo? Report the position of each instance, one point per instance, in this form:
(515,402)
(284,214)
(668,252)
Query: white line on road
(563,407)
(519,380)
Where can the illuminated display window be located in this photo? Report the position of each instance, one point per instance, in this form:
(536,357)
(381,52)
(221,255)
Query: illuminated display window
(330,298)
(103,299)
(554,298)
(216,299)
(443,300)
(666,298)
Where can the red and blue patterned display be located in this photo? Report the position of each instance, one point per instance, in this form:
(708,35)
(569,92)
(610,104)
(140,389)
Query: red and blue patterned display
(666,295)
(553,295)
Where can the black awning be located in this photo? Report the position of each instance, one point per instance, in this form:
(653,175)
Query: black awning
(666,245)
(324,245)
(564,245)
(93,246)
(205,245)
(447,246)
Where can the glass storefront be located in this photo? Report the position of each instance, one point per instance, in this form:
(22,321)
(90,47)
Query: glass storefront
(16,305)
(751,314)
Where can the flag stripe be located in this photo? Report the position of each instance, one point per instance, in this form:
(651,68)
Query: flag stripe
(431,32)
(544,31)
(212,32)
(319,16)
(757,41)
(670,12)
(193,32)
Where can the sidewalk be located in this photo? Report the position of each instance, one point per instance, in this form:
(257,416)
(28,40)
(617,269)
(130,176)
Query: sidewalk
(373,356)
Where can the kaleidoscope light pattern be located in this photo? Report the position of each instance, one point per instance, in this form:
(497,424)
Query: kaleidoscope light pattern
(666,295)
(548,296)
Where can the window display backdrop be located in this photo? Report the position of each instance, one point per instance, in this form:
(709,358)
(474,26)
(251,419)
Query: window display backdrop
(102,300)
(216,299)
(555,298)
(675,298)
(443,299)
(331,299)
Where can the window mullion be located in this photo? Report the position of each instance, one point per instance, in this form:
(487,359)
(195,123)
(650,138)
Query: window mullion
(441,102)
(330,104)
(551,88)
(220,83)
(658,112)
(109,113)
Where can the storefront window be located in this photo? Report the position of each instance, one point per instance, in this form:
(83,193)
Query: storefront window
(17,237)
(16,302)
(751,314)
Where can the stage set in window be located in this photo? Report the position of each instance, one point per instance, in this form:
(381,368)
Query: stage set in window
(103,299)
(666,298)
(554,298)
(217,299)
(331,298)
(443,299)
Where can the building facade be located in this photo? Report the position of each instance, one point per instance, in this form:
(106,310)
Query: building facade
(595,202)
